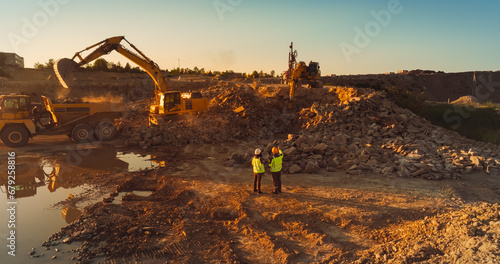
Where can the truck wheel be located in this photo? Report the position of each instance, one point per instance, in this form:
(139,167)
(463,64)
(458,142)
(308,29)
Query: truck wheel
(82,133)
(15,136)
(105,131)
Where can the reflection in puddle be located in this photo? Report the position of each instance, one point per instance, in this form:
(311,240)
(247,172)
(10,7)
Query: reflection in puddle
(119,198)
(70,214)
(137,162)
(58,174)
(41,183)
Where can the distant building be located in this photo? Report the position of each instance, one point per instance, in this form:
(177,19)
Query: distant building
(12,59)
(403,72)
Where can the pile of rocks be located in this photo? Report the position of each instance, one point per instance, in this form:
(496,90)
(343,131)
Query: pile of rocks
(235,112)
(365,131)
(356,130)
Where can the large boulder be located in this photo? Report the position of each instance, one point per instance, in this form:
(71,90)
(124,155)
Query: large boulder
(294,169)
(311,167)
(290,151)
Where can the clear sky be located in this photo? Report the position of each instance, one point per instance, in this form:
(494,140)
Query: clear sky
(344,36)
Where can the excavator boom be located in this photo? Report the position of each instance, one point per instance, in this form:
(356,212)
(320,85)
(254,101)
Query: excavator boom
(64,67)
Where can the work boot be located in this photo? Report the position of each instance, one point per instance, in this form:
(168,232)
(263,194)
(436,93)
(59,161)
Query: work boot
(260,192)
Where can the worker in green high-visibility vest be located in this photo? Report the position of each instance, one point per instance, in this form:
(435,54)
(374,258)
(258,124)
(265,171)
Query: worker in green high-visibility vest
(258,170)
(276,165)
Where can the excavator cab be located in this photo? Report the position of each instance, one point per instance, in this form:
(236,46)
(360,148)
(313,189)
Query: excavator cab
(314,69)
(171,100)
(180,103)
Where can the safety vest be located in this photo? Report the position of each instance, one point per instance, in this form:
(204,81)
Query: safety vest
(258,167)
(277,163)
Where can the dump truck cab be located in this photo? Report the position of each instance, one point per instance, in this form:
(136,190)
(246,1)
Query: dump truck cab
(15,107)
(16,125)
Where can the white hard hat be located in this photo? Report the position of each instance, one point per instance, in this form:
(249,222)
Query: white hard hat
(257,151)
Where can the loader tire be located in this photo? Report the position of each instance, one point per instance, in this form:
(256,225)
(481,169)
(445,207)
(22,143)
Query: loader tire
(105,131)
(15,136)
(82,133)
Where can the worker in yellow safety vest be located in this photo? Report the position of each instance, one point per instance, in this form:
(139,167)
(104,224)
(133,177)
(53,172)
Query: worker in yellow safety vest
(276,165)
(258,170)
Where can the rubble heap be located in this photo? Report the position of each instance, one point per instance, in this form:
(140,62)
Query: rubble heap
(366,132)
(235,112)
(356,130)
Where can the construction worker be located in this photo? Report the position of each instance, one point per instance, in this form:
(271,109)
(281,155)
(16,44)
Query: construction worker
(258,170)
(276,165)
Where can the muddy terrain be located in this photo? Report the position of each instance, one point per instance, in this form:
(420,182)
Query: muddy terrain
(364,181)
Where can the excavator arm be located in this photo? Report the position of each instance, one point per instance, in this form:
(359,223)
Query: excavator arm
(64,67)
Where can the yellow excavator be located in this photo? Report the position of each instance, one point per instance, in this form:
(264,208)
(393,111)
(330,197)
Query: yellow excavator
(167,102)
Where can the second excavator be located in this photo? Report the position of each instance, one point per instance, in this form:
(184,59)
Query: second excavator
(299,73)
(167,103)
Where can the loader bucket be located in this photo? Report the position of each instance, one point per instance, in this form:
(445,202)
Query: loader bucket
(64,69)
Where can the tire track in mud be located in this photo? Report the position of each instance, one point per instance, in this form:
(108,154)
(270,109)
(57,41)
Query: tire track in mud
(288,236)
(306,228)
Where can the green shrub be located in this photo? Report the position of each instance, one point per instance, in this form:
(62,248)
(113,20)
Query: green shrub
(406,99)
(481,123)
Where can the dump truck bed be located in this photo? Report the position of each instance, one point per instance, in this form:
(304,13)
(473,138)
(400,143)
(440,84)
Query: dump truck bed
(65,114)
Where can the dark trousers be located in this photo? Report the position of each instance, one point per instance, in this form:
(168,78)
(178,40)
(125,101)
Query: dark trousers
(276,181)
(256,181)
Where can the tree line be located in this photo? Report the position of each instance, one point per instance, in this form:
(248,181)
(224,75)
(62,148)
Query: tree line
(98,65)
(103,65)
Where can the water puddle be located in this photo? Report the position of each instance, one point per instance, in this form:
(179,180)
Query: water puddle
(43,182)
(137,162)
(35,221)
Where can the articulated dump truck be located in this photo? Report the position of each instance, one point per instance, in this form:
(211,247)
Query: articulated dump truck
(82,122)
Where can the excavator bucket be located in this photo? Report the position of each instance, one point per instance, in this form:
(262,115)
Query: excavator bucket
(64,69)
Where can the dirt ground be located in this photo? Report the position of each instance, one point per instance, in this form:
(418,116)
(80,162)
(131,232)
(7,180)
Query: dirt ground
(197,209)
(200,211)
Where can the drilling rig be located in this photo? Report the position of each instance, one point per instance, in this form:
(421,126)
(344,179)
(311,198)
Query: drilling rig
(300,73)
